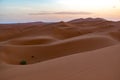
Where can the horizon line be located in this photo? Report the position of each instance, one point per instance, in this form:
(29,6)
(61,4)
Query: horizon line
(43,21)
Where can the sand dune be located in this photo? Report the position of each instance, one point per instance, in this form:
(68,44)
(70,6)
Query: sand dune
(44,49)
(81,49)
(102,64)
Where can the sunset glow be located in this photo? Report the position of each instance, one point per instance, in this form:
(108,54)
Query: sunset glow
(57,10)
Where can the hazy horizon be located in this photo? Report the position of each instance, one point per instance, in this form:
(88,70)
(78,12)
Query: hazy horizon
(20,11)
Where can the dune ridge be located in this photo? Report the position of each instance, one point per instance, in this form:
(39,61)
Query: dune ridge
(44,51)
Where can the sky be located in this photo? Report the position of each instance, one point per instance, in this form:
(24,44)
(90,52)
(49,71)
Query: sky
(18,11)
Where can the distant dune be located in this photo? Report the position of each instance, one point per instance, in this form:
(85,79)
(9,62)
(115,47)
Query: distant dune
(80,49)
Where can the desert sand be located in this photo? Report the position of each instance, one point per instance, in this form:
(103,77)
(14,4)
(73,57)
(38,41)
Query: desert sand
(81,49)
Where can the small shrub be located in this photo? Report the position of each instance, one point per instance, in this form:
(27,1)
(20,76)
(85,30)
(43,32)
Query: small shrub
(23,62)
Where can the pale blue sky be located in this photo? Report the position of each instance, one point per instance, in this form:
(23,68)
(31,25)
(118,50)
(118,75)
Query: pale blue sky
(57,10)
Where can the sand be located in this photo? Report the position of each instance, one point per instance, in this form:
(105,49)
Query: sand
(81,49)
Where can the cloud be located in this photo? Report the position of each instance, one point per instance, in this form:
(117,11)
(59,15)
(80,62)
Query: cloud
(59,13)
(72,13)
